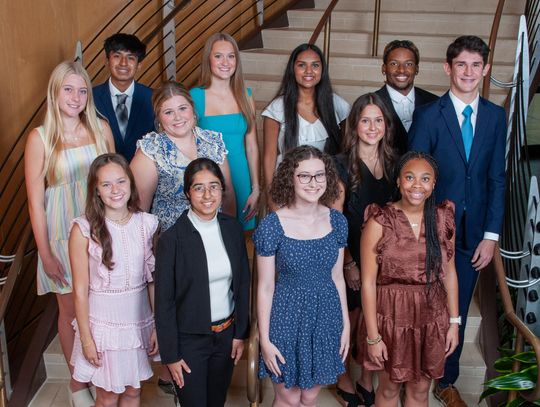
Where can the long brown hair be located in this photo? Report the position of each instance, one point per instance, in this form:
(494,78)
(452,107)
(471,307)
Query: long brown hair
(53,125)
(387,155)
(236,83)
(95,209)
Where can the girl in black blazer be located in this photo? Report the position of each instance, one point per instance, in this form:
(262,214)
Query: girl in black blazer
(202,292)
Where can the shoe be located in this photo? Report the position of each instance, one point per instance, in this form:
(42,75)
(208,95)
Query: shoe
(351,399)
(367,396)
(81,398)
(166,386)
(449,396)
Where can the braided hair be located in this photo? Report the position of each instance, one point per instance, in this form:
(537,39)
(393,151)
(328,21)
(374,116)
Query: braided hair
(433,247)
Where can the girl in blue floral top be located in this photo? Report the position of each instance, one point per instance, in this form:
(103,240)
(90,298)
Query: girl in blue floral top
(161,158)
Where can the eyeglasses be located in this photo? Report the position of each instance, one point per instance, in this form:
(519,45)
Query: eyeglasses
(199,189)
(306,178)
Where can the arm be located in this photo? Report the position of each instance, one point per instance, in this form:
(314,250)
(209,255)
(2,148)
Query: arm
(270,143)
(496,188)
(229,199)
(146,178)
(451,286)
(165,308)
(107,134)
(266,266)
(252,153)
(78,252)
(337,276)
(370,237)
(153,340)
(34,160)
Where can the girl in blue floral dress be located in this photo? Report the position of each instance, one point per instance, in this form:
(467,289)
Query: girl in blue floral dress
(303,319)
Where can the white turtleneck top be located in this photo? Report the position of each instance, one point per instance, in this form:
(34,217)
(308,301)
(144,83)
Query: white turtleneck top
(219,266)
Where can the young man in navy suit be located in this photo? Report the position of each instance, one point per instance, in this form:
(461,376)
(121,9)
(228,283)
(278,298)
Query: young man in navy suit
(466,134)
(125,103)
(401,60)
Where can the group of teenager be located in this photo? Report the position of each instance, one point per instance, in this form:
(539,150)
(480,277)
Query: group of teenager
(380,217)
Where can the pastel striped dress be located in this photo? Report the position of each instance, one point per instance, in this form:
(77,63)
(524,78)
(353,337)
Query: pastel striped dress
(64,201)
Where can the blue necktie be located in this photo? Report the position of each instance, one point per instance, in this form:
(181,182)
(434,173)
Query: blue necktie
(467,130)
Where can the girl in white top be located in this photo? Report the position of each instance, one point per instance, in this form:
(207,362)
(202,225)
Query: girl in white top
(306,111)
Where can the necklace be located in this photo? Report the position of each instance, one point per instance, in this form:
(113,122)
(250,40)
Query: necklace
(120,221)
(414,225)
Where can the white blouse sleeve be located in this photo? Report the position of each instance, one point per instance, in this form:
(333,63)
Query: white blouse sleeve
(341,107)
(275,110)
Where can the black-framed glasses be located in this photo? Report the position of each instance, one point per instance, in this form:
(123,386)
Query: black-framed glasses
(214,189)
(320,177)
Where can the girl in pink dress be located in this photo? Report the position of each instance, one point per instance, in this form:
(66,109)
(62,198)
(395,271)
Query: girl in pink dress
(110,249)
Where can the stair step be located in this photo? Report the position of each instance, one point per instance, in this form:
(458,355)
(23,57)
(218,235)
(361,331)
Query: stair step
(359,42)
(427,22)
(359,67)
(472,369)
(410,6)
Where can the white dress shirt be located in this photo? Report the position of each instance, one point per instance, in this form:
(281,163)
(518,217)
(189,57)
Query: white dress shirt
(129,92)
(403,105)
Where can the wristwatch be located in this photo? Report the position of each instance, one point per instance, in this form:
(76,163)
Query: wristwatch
(456,320)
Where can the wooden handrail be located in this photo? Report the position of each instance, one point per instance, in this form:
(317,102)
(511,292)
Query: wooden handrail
(322,22)
(492,41)
(510,314)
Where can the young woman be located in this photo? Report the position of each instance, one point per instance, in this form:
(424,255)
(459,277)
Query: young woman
(57,157)
(305,110)
(162,158)
(366,169)
(112,261)
(223,104)
(409,286)
(202,292)
(303,321)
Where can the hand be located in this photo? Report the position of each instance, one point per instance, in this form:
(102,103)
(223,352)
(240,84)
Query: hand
(91,354)
(483,254)
(237,350)
(270,353)
(177,373)
(252,205)
(352,277)
(153,343)
(452,339)
(345,343)
(377,353)
(54,270)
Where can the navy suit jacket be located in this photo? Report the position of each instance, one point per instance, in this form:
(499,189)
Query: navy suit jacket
(421,97)
(141,117)
(476,187)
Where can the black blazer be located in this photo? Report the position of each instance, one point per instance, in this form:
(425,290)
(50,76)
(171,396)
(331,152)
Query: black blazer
(182,295)
(140,121)
(421,97)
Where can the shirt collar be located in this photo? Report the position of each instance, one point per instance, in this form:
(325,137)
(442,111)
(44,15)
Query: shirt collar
(459,105)
(129,91)
(397,97)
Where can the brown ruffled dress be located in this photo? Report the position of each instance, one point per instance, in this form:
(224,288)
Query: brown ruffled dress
(412,321)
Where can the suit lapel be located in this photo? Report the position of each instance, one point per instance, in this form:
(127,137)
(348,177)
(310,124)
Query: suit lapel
(448,113)
(400,129)
(134,112)
(110,114)
(480,131)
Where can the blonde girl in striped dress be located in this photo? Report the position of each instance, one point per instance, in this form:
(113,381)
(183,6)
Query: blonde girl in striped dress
(58,155)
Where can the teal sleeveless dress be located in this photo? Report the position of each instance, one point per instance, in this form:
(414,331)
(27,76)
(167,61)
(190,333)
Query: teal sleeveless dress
(233,128)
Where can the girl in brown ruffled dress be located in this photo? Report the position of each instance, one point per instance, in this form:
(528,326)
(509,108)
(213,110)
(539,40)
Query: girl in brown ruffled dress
(409,286)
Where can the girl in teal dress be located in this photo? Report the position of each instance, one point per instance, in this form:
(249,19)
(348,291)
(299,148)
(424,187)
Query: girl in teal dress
(223,104)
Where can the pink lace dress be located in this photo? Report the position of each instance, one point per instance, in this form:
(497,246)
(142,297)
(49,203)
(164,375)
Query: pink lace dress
(121,319)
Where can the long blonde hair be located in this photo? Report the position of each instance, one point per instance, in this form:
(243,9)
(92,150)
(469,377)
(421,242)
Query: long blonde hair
(53,126)
(237,80)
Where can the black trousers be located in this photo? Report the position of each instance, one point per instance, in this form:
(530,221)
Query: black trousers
(209,358)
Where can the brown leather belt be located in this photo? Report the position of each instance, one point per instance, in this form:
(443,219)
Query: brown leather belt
(220,326)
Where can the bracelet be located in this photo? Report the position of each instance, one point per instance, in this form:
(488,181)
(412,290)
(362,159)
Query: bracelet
(349,265)
(374,341)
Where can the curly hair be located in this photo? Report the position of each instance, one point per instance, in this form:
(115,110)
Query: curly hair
(95,209)
(386,153)
(433,246)
(282,188)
